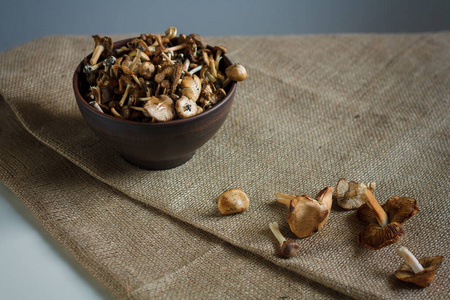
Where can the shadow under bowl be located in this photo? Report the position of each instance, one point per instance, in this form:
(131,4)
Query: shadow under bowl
(154,146)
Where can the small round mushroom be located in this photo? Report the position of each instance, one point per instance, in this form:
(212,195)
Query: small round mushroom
(349,195)
(420,272)
(102,43)
(307,215)
(384,224)
(186,108)
(160,108)
(288,248)
(147,70)
(235,72)
(233,201)
(191,87)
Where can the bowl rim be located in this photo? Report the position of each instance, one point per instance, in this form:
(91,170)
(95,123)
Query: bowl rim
(81,99)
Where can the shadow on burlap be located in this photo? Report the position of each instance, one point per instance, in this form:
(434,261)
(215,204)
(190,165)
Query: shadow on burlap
(314,109)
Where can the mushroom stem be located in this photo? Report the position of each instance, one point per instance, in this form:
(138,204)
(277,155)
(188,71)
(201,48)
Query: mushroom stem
(135,60)
(284,198)
(125,95)
(195,70)
(115,113)
(410,259)
(167,58)
(226,82)
(177,47)
(276,232)
(212,65)
(96,54)
(375,207)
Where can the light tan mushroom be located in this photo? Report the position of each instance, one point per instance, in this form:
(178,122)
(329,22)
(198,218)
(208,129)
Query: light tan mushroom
(349,195)
(287,248)
(233,201)
(235,72)
(307,215)
(160,108)
(147,70)
(191,87)
(186,108)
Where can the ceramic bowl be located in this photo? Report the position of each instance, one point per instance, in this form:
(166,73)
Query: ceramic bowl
(154,146)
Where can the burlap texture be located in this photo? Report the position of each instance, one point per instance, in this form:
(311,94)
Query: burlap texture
(314,109)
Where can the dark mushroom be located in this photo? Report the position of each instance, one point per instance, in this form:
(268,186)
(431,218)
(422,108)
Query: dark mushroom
(384,224)
(125,81)
(287,248)
(420,272)
(103,46)
(219,51)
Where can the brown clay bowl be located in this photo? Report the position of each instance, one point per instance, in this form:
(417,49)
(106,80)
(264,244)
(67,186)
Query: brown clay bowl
(155,146)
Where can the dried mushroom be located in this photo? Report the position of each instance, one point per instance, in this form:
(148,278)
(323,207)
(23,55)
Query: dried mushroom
(154,65)
(287,248)
(186,108)
(307,215)
(102,43)
(235,72)
(420,272)
(384,224)
(349,195)
(233,201)
(160,108)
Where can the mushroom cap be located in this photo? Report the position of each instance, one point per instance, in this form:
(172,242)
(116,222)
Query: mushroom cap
(222,48)
(171,32)
(160,108)
(186,107)
(289,248)
(147,70)
(233,201)
(398,209)
(236,72)
(191,87)
(199,40)
(325,196)
(423,278)
(307,215)
(343,200)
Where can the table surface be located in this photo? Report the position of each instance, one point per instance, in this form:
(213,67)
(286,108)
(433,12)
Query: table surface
(32,263)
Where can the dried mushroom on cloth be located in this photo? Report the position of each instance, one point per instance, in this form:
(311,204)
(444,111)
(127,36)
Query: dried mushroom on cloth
(384,224)
(420,272)
(307,215)
(158,77)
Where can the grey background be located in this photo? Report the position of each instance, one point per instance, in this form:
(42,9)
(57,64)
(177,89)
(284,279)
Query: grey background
(22,20)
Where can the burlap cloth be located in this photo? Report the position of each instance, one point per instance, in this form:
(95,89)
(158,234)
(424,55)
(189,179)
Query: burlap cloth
(314,109)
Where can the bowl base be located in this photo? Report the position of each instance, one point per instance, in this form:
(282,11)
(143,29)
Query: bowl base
(158,164)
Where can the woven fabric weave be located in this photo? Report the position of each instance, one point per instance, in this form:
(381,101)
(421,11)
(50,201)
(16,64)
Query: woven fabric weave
(314,109)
